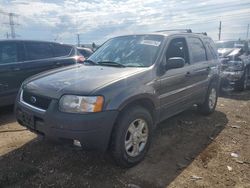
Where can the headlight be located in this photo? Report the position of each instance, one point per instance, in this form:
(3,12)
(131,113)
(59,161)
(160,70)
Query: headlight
(81,104)
(235,66)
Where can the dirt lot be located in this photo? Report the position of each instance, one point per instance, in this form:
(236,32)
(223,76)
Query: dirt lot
(189,150)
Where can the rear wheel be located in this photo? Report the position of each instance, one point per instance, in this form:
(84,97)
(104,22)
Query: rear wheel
(132,136)
(210,103)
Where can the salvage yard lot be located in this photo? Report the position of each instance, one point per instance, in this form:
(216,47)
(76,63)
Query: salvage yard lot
(188,150)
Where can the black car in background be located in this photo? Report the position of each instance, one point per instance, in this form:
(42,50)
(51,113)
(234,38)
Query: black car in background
(235,59)
(84,52)
(20,59)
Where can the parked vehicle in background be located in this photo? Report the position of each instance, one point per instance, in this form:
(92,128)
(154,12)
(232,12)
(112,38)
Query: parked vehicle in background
(20,59)
(129,85)
(235,64)
(84,52)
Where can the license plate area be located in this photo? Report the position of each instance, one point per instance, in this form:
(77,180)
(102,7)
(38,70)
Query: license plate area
(27,119)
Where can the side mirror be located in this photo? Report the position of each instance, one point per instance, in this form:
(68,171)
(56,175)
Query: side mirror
(175,62)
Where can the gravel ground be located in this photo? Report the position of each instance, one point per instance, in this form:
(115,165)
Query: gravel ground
(188,150)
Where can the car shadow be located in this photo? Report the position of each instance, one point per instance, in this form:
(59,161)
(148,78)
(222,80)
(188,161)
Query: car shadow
(7,115)
(236,95)
(177,141)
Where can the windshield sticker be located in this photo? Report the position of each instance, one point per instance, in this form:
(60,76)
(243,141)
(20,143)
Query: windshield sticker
(151,42)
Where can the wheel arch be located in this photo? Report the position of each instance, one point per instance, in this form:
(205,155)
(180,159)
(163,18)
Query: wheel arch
(215,79)
(144,101)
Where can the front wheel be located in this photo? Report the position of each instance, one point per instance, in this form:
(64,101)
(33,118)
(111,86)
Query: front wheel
(131,136)
(210,103)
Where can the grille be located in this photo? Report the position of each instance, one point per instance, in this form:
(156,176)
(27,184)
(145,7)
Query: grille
(36,100)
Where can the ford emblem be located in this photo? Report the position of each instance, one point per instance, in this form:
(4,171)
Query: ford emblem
(33,99)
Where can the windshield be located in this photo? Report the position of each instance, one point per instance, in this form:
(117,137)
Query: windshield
(230,44)
(129,51)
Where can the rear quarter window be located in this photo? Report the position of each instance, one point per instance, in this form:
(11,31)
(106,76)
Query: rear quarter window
(211,49)
(61,50)
(85,53)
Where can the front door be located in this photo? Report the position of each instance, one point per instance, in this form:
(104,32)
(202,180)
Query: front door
(174,82)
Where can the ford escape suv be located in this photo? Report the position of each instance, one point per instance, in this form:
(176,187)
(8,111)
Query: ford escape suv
(118,96)
(20,59)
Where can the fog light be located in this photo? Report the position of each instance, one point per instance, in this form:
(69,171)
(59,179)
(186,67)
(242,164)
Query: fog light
(77,143)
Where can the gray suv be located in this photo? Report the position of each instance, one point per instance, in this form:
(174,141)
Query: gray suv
(130,84)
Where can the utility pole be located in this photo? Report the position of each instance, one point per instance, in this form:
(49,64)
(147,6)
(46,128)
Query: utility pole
(220,31)
(11,23)
(78,40)
(7,35)
(247,30)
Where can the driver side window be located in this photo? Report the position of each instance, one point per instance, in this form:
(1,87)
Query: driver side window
(178,48)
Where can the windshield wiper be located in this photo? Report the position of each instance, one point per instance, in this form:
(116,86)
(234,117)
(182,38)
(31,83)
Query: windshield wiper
(110,63)
(89,61)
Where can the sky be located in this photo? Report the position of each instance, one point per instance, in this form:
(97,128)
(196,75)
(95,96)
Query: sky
(98,20)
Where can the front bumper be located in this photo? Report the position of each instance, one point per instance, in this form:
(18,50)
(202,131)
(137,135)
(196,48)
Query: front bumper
(93,130)
(231,78)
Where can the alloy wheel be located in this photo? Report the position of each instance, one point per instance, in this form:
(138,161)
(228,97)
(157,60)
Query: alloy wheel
(136,137)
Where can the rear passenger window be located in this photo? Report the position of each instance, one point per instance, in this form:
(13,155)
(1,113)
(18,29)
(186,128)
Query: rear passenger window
(8,53)
(197,50)
(211,54)
(84,53)
(36,50)
(61,50)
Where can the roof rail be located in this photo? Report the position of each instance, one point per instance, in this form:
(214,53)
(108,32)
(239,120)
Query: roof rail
(180,30)
(202,33)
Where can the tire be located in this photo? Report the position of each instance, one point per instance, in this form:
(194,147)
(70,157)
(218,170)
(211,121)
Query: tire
(210,102)
(129,119)
(243,82)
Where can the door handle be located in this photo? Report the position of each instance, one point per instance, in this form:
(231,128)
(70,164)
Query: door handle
(16,69)
(4,86)
(188,74)
(57,63)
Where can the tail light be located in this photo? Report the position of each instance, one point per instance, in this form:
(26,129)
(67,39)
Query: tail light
(79,59)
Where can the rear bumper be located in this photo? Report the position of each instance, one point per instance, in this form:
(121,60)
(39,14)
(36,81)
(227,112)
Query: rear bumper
(92,130)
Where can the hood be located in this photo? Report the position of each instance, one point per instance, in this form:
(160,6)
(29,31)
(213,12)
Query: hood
(81,79)
(225,52)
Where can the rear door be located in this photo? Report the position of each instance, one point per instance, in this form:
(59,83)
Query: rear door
(200,68)
(10,64)
(38,57)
